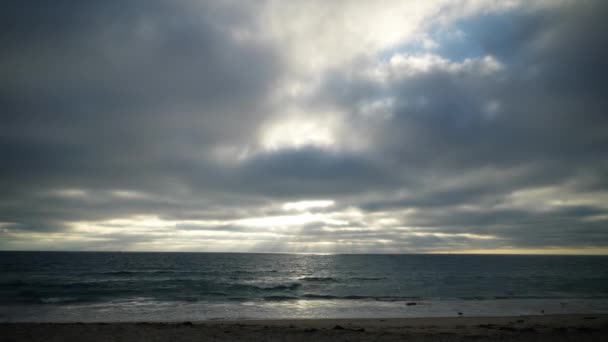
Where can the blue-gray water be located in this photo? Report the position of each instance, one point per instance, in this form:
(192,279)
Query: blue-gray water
(58,286)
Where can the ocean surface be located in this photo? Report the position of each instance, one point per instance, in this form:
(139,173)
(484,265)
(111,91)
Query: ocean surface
(91,286)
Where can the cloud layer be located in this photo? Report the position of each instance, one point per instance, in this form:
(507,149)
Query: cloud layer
(271,126)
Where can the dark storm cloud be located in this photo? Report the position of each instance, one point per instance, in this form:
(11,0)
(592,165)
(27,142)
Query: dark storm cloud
(139,96)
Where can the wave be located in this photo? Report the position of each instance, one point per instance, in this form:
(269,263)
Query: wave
(319,296)
(251,289)
(516,297)
(58,300)
(287,286)
(280,298)
(118,273)
(320,279)
(149,272)
(253,272)
(367,278)
(50,299)
(339,280)
(359,297)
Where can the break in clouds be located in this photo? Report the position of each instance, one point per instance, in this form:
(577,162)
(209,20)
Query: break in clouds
(308,126)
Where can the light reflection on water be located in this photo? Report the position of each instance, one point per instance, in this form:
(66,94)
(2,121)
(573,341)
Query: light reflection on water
(146,310)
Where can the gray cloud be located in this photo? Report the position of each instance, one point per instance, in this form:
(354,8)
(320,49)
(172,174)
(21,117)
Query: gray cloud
(149,108)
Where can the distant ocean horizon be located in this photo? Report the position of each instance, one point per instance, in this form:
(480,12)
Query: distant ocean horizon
(173,286)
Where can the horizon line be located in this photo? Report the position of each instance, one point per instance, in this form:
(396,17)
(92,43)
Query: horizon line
(309,253)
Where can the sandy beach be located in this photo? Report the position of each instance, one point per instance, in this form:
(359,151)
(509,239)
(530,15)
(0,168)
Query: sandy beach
(520,328)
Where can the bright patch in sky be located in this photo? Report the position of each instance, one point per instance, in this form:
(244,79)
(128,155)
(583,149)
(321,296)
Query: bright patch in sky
(299,132)
(305,205)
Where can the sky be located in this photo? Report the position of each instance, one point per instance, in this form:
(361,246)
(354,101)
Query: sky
(447,126)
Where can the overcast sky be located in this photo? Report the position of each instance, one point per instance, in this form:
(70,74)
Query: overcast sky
(304,126)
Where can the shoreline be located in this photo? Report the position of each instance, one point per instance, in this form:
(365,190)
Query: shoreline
(442,320)
(567,327)
(155,311)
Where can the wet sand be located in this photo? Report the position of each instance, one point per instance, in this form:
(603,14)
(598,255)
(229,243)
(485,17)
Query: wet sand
(520,328)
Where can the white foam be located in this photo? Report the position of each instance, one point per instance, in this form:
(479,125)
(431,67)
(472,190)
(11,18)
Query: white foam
(150,310)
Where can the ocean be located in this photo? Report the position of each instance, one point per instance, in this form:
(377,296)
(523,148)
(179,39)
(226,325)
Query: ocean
(113,286)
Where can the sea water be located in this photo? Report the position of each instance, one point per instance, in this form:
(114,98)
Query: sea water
(109,286)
